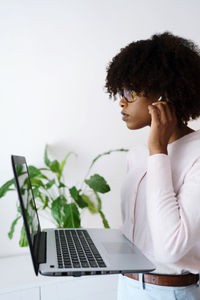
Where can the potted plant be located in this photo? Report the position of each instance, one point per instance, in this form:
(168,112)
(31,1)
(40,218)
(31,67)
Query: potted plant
(61,204)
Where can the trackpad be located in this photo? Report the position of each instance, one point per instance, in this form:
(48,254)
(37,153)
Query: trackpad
(118,248)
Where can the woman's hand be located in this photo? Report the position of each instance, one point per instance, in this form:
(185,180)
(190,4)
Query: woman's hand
(163,123)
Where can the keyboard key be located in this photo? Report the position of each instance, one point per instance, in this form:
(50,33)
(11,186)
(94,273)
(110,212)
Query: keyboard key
(76,265)
(76,249)
(84,264)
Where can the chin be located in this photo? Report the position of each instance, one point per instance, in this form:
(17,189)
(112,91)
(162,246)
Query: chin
(135,126)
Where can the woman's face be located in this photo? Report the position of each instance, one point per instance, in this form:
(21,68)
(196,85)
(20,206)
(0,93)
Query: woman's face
(136,114)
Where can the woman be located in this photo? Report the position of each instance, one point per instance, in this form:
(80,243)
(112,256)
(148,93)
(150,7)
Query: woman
(158,81)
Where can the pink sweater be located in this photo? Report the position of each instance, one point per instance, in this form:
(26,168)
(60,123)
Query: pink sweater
(161,205)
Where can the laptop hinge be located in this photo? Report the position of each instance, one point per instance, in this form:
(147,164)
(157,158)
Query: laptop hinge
(41,257)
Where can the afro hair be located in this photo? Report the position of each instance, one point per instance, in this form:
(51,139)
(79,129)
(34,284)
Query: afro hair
(165,64)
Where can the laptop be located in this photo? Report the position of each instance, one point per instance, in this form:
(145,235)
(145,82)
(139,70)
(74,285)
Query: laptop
(74,251)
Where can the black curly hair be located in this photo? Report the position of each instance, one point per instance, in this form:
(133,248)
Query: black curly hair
(165,64)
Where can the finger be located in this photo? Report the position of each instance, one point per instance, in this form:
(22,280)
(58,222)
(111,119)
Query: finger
(162,109)
(155,119)
(170,110)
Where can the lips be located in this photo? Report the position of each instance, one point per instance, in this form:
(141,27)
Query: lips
(124,116)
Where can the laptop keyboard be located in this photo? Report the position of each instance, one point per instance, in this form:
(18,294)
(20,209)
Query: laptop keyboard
(75,249)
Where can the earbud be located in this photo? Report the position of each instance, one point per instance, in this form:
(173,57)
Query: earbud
(160,98)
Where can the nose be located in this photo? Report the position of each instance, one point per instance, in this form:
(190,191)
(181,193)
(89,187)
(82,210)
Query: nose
(122,102)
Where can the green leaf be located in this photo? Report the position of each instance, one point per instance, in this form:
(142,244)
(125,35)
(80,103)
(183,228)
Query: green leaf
(105,153)
(98,184)
(33,171)
(23,239)
(55,166)
(56,210)
(50,184)
(35,192)
(62,164)
(105,222)
(46,159)
(91,206)
(43,169)
(76,196)
(74,193)
(71,216)
(26,184)
(43,176)
(81,203)
(19,169)
(99,201)
(61,185)
(12,228)
(28,216)
(37,182)
(41,197)
(5,187)
(46,203)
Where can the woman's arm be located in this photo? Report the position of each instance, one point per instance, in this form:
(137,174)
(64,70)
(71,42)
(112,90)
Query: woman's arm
(163,125)
(174,219)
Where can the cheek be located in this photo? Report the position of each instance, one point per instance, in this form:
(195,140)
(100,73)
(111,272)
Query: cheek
(142,114)
(144,120)
(139,118)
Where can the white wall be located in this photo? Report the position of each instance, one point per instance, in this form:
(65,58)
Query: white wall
(53,58)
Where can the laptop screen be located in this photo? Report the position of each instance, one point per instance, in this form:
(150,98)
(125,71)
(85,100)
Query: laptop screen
(27,203)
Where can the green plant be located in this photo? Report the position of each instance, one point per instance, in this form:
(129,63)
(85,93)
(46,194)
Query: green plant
(61,204)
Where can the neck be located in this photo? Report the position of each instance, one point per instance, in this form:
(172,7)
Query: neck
(180,132)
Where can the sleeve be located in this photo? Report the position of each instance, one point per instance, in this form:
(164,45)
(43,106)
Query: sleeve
(174,219)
